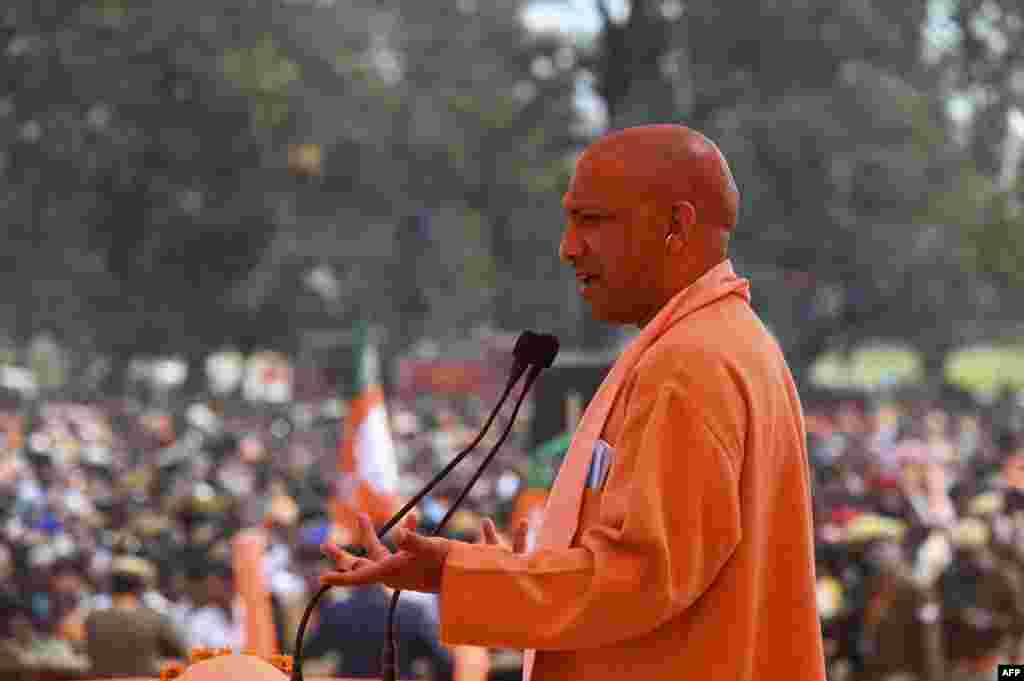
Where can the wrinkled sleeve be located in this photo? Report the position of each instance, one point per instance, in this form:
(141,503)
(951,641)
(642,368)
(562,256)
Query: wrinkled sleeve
(669,520)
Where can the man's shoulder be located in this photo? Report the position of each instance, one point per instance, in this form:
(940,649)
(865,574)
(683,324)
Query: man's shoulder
(716,342)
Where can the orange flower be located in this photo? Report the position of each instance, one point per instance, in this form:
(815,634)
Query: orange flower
(171,670)
(282,662)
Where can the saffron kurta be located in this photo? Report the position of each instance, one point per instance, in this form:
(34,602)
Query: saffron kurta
(696,559)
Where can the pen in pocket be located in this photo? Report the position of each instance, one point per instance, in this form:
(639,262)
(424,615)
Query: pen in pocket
(600,461)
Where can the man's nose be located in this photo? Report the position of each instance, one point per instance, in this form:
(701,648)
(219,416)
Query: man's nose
(571,245)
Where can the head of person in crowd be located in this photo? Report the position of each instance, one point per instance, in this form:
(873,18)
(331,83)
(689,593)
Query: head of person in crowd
(874,543)
(16,623)
(67,583)
(936,424)
(913,456)
(7,566)
(649,210)
(969,538)
(888,492)
(130,576)
(1011,447)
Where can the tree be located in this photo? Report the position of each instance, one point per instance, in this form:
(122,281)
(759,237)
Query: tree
(134,149)
(458,145)
(837,132)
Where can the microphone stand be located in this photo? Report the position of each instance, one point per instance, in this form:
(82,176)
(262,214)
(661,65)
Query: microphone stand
(389,656)
(390,652)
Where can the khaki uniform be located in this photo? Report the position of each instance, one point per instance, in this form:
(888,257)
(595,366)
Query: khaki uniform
(982,608)
(1007,548)
(902,630)
(123,642)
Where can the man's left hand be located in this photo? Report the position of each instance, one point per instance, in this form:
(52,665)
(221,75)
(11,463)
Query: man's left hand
(416,566)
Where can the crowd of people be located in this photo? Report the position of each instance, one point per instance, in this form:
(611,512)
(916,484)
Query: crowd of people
(118,504)
(919,530)
(111,503)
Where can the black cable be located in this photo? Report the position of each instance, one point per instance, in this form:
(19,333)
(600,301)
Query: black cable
(517,373)
(389,666)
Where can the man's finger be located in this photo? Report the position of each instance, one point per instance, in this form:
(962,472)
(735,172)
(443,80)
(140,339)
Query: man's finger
(374,548)
(368,572)
(415,543)
(488,534)
(342,559)
(519,542)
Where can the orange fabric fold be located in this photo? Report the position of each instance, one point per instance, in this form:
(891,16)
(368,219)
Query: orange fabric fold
(561,516)
(695,559)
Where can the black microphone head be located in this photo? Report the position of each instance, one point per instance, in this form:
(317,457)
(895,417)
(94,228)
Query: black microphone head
(538,349)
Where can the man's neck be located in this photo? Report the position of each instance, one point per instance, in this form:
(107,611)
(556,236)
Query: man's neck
(126,601)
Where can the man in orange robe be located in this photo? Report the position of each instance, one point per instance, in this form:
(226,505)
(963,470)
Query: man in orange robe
(694,557)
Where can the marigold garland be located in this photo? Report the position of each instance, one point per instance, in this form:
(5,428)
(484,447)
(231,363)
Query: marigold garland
(173,670)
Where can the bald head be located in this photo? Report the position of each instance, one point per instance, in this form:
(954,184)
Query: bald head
(666,163)
(649,211)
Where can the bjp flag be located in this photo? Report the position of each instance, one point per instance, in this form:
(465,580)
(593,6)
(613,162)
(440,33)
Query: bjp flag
(366,456)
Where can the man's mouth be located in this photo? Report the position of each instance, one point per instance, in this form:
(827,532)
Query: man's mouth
(586,279)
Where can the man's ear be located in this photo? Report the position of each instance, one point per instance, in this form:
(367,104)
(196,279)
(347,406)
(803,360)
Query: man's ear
(684,216)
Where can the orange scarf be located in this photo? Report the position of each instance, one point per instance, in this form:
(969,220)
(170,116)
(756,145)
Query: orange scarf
(561,515)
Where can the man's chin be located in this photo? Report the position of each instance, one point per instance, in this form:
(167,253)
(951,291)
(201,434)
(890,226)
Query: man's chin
(609,316)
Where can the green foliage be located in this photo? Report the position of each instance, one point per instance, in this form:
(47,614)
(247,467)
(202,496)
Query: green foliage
(964,202)
(996,240)
(548,180)
(112,11)
(264,73)
(991,227)
(478,269)
(927,134)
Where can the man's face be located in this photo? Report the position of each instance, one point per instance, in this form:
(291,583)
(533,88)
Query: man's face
(613,242)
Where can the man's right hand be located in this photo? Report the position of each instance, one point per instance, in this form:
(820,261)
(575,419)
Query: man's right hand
(489,535)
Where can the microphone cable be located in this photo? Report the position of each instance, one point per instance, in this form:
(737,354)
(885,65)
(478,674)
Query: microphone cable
(389,656)
(534,352)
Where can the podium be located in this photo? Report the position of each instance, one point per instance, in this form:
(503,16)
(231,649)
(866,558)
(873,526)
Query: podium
(234,668)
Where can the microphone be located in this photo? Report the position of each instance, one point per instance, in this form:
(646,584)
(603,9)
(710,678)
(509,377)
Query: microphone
(534,352)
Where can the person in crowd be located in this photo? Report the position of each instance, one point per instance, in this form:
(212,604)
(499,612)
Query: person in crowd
(220,621)
(983,615)
(128,639)
(16,633)
(1001,508)
(891,621)
(353,624)
(354,629)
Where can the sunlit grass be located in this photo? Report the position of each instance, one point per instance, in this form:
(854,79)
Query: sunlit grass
(981,370)
(985,370)
(869,368)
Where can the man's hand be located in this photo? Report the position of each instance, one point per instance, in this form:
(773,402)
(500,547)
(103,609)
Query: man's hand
(417,566)
(489,535)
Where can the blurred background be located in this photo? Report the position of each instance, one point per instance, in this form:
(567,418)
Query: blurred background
(227,223)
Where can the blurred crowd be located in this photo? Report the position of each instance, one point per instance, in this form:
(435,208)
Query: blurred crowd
(120,505)
(919,529)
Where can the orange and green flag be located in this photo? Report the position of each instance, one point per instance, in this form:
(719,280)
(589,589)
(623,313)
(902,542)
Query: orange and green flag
(366,453)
